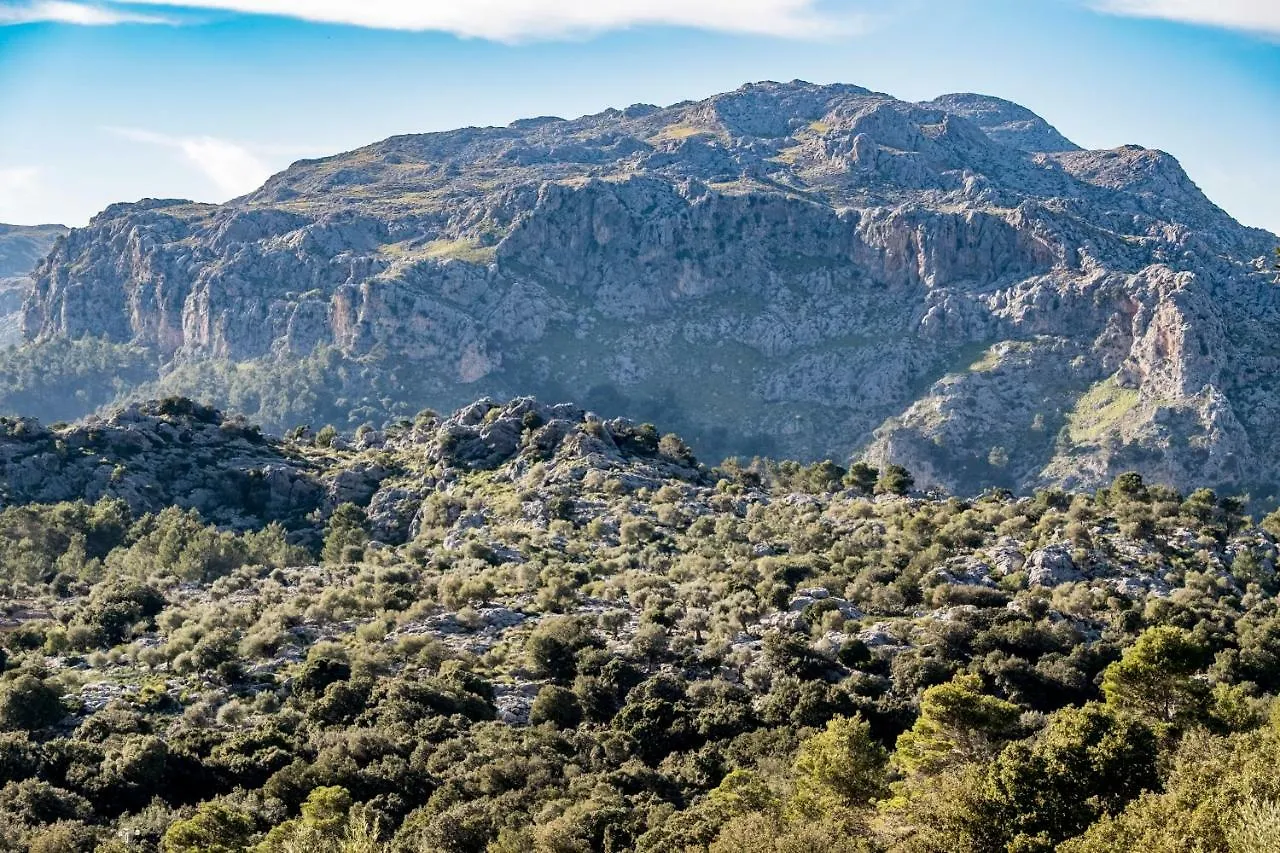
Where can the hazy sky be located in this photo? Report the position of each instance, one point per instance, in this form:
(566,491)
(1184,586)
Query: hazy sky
(108,101)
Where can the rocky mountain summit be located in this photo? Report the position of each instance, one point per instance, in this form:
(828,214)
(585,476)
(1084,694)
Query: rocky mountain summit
(790,269)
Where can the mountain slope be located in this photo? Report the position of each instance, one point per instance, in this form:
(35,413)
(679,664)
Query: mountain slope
(787,268)
(21,248)
(524,628)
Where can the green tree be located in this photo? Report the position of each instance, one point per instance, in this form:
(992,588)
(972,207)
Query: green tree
(325,664)
(345,535)
(556,705)
(1087,763)
(29,703)
(1254,827)
(768,833)
(674,448)
(958,723)
(1271,523)
(34,802)
(325,825)
(552,647)
(822,477)
(325,437)
(1221,794)
(861,477)
(65,836)
(740,793)
(214,828)
(1158,677)
(894,480)
(116,607)
(1128,486)
(842,767)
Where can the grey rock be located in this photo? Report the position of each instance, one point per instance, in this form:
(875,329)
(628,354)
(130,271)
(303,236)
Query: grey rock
(951,285)
(1007,557)
(153,456)
(965,571)
(1052,566)
(791,622)
(1006,122)
(515,701)
(878,636)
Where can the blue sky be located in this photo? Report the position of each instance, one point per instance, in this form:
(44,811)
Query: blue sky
(105,101)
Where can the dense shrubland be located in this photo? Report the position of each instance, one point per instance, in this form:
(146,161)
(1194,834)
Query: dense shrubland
(65,379)
(570,654)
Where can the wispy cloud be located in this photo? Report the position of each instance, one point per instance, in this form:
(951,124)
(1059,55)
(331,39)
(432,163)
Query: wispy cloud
(65,12)
(232,168)
(1259,16)
(500,20)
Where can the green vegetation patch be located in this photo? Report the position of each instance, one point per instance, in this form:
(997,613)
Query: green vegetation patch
(680,131)
(1099,410)
(62,379)
(461,250)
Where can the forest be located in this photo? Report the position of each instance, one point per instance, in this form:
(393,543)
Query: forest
(588,640)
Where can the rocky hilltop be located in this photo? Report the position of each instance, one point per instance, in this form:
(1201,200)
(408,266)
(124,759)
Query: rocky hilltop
(176,452)
(792,269)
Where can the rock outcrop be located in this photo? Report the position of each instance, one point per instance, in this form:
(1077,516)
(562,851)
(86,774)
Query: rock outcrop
(790,269)
(176,452)
(161,454)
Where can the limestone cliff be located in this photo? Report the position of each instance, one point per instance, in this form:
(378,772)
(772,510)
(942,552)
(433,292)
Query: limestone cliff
(787,268)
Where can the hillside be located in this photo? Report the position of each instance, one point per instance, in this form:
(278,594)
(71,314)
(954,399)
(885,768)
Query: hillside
(522,627)
(785,269)
(21,248)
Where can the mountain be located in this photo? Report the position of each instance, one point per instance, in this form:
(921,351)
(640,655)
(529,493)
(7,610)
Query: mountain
(21,248)
(790,269)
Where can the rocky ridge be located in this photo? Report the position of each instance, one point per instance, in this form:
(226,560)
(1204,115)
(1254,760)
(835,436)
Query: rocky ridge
(795,269)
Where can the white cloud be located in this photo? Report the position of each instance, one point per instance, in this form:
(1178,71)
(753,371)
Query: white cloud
(1260,16)
(232,168)
(514,20)
(64,12)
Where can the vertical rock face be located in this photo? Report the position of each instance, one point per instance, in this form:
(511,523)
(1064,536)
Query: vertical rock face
(786,268)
